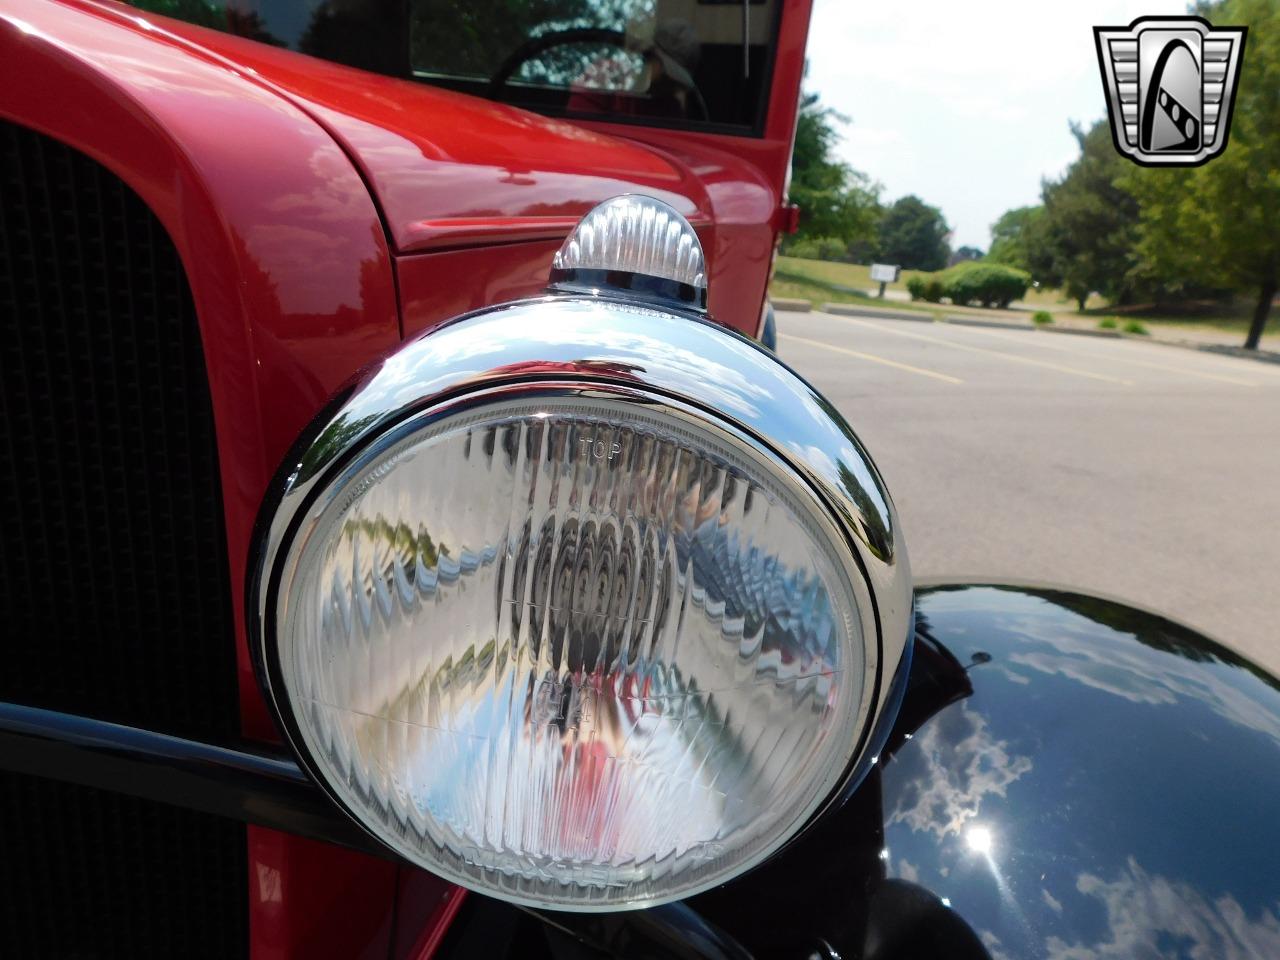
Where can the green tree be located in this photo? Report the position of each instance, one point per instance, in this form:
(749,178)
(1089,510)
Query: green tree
(914,235)
(1016,238)
(1219,224)
(1088,233)
(834,199)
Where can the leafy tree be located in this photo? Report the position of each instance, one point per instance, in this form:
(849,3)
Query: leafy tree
(1089,230)
(966,253)
(1219,224)
(990,284)
(1017,238)
(818,248)
(834,199)
(914,235)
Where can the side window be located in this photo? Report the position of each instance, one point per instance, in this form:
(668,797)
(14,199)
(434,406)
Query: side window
(368,34)
(699,63)
(694,62)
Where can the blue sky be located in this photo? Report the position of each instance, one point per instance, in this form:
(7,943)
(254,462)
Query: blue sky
(964,104)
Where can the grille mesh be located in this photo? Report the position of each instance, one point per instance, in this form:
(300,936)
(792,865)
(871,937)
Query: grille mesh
(87,873)
(113,577)
(114,581)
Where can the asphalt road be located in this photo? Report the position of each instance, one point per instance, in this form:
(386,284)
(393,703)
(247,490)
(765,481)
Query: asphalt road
(1143,472)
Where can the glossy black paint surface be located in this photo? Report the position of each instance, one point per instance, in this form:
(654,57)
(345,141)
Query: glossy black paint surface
(1070,778)
(243,784)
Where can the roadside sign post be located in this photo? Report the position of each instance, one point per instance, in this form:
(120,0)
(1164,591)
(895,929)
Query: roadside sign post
(884,273)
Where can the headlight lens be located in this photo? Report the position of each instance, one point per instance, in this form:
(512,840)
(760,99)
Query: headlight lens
(573,647)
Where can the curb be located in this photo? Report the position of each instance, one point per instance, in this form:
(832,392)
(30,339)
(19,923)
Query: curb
(1034,327)
(1087,332)
(1221,349)
(1226,350)
(980,322)
(968,321)
(856,310)
(794,305)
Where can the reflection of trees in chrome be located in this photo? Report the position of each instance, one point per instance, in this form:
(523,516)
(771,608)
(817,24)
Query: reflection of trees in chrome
(400,541)
(871,515)
(872,510)
(332,440)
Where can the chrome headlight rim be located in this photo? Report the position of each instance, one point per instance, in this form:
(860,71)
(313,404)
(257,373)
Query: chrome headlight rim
(317,471)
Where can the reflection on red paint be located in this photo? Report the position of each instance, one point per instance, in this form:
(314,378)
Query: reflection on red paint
(426,907)
(318,901)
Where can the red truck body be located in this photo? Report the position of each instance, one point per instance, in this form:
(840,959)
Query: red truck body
(323,214)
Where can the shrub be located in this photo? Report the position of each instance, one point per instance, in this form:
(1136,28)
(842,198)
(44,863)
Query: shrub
(925,286)
(990,284)
(1107,323)
(1041,317)
(1133,326)
(817,248)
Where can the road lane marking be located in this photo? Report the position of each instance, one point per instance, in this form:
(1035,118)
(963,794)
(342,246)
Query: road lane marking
(1063,348)
(873,358)
(1016,358)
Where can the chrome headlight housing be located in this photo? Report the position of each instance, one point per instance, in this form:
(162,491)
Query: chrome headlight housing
(583,602)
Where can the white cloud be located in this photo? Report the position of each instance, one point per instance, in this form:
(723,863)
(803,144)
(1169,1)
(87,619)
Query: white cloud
(956,764)
(1133,673)
(1146,911)
(994,947)
(966,105)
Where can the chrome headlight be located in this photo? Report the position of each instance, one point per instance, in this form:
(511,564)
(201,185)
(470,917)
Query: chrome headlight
(583,603)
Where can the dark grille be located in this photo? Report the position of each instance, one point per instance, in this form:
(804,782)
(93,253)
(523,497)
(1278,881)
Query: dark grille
(114,588)
(87,873)
(113,580)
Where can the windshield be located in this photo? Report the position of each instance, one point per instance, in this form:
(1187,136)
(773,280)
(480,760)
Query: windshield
(682,63)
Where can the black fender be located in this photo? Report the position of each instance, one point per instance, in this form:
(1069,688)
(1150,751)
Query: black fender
(769,329)
(1068,777)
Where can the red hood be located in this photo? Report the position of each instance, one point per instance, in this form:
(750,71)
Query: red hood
(456,173)
(450,170)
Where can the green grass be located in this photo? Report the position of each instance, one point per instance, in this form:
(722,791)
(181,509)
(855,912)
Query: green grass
(820,281)
(1234,327)
(857,276)
(1231,319)
(818,292)
(854,275)
(1134,326)
(1042,317)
